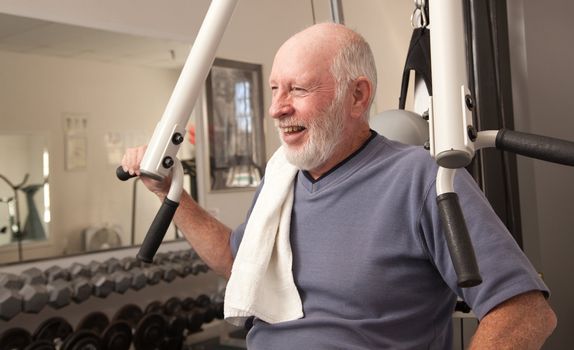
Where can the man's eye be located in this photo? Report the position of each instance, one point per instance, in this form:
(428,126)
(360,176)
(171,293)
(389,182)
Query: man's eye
(298,89)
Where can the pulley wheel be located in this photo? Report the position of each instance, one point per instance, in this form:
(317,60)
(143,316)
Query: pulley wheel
(150,332)
(118,336)
(52,329)
(82,339)
(129,313)
(94,321)
(15,339)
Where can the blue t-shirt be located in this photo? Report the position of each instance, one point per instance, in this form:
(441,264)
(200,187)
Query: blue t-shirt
(370,261)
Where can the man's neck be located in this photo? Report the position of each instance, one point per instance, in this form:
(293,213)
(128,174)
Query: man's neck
(343,152)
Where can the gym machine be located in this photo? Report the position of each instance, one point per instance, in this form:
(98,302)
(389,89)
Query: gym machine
(160,159)
(453,138)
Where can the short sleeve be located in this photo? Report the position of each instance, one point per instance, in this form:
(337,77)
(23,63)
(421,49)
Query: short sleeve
(505,269)
(236,237)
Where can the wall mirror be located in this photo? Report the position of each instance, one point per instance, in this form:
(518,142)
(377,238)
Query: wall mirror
(24,189)
(72,100)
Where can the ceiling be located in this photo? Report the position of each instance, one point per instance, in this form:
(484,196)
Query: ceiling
(38,37)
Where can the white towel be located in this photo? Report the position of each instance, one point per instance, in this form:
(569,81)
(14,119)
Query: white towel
(261,282)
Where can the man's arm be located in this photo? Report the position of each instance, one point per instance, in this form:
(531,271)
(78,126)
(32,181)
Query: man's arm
(522,322)
(208,236)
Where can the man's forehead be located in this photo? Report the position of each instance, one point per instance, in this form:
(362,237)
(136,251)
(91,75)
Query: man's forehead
(303,68)
(303,77)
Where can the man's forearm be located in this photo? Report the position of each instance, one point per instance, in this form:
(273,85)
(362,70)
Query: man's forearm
(208,236)
(522,322)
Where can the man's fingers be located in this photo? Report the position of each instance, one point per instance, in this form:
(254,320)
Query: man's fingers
(123,163)
(132,158)
(130,162)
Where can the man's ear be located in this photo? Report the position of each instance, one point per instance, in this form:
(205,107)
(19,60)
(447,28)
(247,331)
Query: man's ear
(361,93)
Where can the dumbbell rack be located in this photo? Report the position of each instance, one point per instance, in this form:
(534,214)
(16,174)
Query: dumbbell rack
(110,290)
(160,325)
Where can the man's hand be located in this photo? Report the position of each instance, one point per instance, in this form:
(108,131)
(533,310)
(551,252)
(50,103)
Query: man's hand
(131,164)
(208,236)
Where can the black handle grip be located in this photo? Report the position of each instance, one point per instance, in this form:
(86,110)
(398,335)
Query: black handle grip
(458,240)
(157,230)
(123,175)
(536,146)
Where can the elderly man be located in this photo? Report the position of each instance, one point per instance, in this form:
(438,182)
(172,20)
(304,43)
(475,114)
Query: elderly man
(370,266)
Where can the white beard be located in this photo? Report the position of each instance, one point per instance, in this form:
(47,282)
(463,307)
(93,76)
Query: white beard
(325,133)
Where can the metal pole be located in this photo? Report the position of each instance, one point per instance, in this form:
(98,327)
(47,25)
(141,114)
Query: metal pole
(337,11)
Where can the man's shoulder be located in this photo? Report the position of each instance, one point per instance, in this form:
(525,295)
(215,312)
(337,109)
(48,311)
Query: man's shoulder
(411,157)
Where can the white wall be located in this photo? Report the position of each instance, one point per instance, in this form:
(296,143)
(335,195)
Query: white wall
(386,25)
(547,189)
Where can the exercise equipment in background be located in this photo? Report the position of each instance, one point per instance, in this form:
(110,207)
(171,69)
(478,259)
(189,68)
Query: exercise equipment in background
(33,226)
(57,287)
(400,124)
(162,325)
(14,213)
(99,238)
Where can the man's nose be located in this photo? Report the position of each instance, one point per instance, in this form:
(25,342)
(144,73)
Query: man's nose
(280,107)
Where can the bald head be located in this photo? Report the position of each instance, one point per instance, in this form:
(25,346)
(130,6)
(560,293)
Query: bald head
(334,47)
(324,41)
(322,83)
(324,36)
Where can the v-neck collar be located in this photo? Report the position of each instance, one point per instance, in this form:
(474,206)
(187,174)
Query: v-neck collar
(336,172)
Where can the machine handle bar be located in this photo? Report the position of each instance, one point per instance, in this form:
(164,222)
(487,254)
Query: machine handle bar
(157,230)
(123,175)
(458,240)
(536,146)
